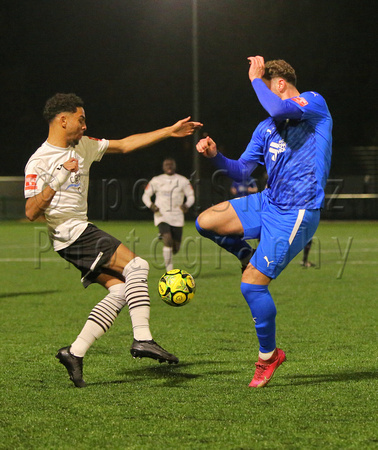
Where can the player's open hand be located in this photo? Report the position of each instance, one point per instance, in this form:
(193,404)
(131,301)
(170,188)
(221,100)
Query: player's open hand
(185,127)
(256,67)
(207,147)
(72,165)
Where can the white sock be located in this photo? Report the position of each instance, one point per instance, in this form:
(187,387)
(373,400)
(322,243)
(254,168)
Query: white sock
(167,255)
(100,319)
(266,356)
(138,300)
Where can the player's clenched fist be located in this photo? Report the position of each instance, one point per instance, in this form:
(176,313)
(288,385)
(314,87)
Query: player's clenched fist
(72,165)
(207,147)
(61,173)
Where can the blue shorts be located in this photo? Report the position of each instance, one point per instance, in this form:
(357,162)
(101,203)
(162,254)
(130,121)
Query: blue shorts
(282,233)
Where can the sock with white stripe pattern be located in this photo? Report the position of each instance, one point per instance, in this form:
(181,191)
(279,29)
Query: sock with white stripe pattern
(100,319)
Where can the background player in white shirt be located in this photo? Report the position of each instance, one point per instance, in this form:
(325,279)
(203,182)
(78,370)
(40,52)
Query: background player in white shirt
(170,190)
(56,186)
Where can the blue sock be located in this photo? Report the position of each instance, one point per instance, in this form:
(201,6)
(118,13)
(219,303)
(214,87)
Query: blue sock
(232,243)
(263,311)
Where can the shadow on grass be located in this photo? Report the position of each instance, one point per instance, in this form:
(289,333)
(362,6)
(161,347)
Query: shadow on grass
(172,374)
(20,294)
(297,380)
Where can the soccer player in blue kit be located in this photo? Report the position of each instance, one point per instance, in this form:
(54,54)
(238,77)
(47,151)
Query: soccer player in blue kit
(295,145)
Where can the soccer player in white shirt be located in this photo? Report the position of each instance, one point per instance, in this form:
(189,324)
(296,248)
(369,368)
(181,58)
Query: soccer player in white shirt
(170,190)
(56,186)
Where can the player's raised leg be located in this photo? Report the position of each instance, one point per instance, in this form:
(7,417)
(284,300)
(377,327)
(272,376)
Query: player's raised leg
(221,224)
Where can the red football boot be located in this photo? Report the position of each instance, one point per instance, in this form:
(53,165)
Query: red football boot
(265,369)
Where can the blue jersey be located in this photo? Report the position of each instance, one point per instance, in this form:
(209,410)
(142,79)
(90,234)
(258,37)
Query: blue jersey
(296,153)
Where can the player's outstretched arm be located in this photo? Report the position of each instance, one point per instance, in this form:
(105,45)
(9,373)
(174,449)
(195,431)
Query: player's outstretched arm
(238,170)
(182,128)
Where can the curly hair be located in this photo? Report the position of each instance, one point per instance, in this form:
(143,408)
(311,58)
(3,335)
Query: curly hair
(61,103)
(280,68)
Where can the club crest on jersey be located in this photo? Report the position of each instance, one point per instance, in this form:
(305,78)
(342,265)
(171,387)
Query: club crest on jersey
(300,100)
(276,148)
(30,182)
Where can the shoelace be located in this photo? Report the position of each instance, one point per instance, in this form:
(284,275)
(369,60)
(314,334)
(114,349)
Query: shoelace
(260,367)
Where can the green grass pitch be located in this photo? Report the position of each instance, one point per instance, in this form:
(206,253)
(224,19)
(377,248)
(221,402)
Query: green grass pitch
(324,396)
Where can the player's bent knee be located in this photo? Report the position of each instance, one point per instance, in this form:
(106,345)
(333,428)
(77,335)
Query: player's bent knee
(199,221)
(253,276)
(201,226)
(207,220)
(136,264)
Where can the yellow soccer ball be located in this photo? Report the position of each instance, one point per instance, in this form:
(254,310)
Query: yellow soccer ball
(177,287)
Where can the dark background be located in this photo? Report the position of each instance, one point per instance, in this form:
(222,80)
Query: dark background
(131,62)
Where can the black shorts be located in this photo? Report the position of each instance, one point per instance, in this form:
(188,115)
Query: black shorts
(176,232)
(91,252)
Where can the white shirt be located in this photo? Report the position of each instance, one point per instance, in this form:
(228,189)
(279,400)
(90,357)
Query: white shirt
(67,214)
(170,191)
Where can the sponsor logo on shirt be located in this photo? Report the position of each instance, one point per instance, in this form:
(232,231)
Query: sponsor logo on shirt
(301,101)
(276,148)
(30,182)
(75,181)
